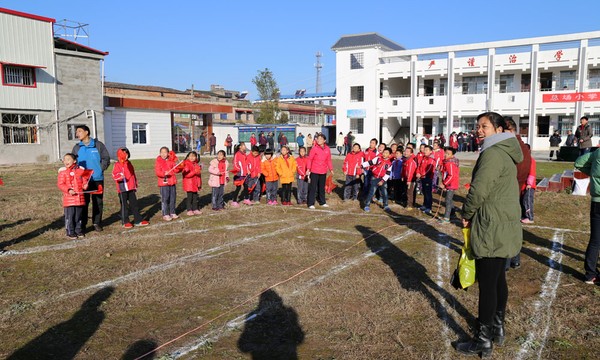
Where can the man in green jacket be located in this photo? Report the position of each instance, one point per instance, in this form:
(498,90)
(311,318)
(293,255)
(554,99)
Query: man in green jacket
(590,164)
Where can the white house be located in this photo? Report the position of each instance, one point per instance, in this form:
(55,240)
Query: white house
(387,92)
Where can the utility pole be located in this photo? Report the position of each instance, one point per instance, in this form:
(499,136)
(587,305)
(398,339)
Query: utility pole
(318,66)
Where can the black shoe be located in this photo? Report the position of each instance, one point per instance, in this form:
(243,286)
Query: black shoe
(80,236)
(480,344)
(515,265)
(98,228)
(498,328)
(71,236)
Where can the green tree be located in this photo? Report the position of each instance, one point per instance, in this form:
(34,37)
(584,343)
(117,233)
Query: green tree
(268,108)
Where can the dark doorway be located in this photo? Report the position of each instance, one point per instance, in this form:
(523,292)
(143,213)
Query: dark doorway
(428,85)
(546,81)
(427,126)
(543,125)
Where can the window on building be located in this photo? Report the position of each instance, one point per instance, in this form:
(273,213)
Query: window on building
(139,134)
(468,123)
(223,116)
(443,86)
(357,125)
(525,82)
(18,75)
(357,93)
(356,61)
(507,83)
(594,78)
(71,130)
(19,129)
(474,85)
(567,80)
(238,115)
(565,123)
(524,126)
(595,124)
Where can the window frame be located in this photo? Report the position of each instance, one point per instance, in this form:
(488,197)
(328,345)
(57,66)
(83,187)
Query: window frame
(32,127)
(139,131)
(359,123)
(4,68)
(357,61)
(359,91)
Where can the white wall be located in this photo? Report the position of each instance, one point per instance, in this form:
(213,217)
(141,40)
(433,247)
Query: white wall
(118,126)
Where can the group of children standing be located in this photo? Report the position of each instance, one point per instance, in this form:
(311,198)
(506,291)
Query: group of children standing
(398,169)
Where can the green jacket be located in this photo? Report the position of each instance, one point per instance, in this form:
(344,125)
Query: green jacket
(492,204)
(589,164)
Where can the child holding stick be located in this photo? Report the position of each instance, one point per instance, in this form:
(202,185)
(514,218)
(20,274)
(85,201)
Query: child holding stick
(124,176)
(165,168)
(73,181)
(217,180)
(192,182)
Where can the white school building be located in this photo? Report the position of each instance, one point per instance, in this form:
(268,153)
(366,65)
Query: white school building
(545,84)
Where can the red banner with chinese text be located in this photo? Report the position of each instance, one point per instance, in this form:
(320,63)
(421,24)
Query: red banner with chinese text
(572,97)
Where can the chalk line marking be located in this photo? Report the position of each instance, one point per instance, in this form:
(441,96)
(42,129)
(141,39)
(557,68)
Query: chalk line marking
(443,269)
(339,231)
(191,258)
(215,335)
(555,229)
(543,306)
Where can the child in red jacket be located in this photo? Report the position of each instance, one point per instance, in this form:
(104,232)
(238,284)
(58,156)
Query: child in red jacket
(192,182)
(240,174)
(301,162)
(353,170)
(252,185)
(425,173)
(450,180)
(124,175)
(72,181)
(165,168)
(528,192)
(381,169)
(409,170)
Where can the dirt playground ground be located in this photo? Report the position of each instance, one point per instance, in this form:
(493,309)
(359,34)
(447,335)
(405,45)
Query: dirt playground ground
(278,282)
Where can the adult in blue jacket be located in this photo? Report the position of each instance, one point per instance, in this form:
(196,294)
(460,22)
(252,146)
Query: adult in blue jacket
(92,154)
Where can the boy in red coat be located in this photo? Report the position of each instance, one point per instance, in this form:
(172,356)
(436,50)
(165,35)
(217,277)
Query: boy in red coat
(240,174)
(192,182)
(370,154)
(353,170)
(124,175)
(450,180)
(252,185)
(165,168)
(425,173)
(72,181)
(409,170)
(381,169)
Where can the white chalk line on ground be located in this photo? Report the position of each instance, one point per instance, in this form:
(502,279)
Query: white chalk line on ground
(215,335)
(542,308)
(555,229)
(441,278)
(191,258)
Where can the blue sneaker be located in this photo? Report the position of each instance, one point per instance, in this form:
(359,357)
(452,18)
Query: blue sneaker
(422,208)
(427,211)
(367,209)
(387,209)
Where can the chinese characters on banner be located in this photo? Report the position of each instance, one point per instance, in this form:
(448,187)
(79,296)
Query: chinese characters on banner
(573,97)
(431,63)
(558,55)
(471,61)
(512,59)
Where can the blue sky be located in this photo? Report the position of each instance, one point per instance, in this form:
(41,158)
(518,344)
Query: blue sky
(180,43)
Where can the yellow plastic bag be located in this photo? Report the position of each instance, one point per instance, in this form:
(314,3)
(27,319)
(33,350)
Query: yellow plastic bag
(466,263)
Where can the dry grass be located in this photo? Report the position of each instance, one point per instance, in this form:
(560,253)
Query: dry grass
(388,297)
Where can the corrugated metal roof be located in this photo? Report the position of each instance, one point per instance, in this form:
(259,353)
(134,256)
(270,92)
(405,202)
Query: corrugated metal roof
(65,44)
(365,40)
(117,85)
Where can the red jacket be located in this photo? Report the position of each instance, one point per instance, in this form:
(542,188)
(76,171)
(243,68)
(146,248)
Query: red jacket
(352,163)
(124,176)
(192,177)
(438,156)
(319,160)
(382,169)
(240,165)
(427,167)
(72,178)
(301,162)
(409,169)
(370,155)
(162,166)
(419,158)
(531,179)
(253,165)
(451,174)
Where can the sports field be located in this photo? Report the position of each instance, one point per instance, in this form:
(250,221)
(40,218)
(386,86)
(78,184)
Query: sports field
(268,282)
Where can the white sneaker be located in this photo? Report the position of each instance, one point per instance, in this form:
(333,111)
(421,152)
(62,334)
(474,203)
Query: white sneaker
(324,205)
(311,207)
